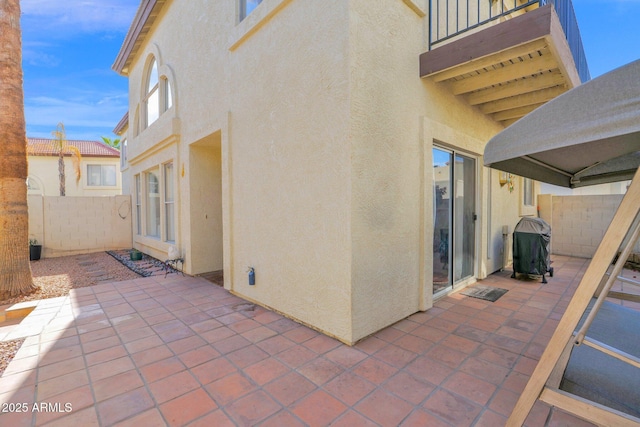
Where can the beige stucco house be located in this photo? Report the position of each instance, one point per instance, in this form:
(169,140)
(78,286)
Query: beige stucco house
(334,147)
(99,168)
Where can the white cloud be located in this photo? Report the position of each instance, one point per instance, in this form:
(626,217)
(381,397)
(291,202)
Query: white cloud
(98,114)
(72,16)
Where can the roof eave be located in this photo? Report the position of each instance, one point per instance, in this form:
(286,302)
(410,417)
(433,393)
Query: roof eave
(145,16)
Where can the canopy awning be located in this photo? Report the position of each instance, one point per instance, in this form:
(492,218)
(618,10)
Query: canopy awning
(588,135)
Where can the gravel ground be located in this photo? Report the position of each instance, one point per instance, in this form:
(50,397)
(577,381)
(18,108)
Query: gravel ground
(56,276)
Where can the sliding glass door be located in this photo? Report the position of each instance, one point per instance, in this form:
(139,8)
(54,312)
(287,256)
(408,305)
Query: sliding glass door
(454,196)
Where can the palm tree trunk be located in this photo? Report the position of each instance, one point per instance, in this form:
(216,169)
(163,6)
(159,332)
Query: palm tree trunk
(15,270)
(63,188)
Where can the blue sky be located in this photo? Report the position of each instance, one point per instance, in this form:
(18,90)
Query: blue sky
(69,46)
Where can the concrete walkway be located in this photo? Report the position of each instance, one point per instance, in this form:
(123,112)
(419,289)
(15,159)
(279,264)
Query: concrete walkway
(182,351)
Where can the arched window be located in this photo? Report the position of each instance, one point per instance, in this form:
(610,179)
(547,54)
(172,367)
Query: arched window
(158,96)
(152,97)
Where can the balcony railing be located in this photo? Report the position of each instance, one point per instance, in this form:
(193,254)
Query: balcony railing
(450,18)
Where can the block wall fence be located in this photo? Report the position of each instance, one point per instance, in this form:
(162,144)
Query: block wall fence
(75,225)
(578,223)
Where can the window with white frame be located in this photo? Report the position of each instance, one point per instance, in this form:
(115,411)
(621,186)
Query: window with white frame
(152,98)
(158,97)
(101,175)
(138,205)
(247,6)
(169,215)
(152,203)
(123,153)
(527,192)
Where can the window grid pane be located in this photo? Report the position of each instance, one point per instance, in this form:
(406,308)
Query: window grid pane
(138,206)
(169,203)
(153,204)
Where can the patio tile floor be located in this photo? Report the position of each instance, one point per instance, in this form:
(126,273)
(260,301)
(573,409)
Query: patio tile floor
(182,351)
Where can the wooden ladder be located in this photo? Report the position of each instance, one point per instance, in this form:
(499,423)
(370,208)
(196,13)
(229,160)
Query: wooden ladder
(596,282)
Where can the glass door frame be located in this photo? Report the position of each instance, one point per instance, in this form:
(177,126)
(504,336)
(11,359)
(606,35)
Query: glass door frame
(453,225)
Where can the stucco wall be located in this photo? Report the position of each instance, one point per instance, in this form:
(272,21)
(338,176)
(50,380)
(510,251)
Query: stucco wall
(578,223)
(73,225)
(324,132)
(44,169)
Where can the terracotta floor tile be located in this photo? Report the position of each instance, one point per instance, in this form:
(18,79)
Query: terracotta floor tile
(473,388)
(283,325)
(152,417)
(408,387)
(186,344)
(110,368)
(187,407)
(419,418)
(175,334)
(453,408)
(346,356)
(146,357)
(217,334)
(143,344)
(216,418)
(100,344)
(212,370)
(244,325)
(253,408)
(247,356)
(58,385)
(384,408)
(84,417)
(258,334)
(389,334)
(276,344)
(71,401)
(105,355)
(374,370)
(429,370)
(503,402)
(321,344)
(490,419)
(429,333)
(173,386)
(320,370)
(484,370)
(296,356)
(59,355)
(370,345)
(117,384)
(471,332)
(289,388)
(266,370)
(60,368)
(349,388)
(198,356)
(162,369)
(230,388)
(318,409)
(395,356)
(124,406)
(300,334)
(498,356)
(231,344)
(282,418)
(447,356)
(353,419)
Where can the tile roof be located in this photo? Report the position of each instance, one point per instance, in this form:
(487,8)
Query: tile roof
(46,147)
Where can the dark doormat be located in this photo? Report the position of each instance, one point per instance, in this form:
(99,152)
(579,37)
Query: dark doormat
(488,293)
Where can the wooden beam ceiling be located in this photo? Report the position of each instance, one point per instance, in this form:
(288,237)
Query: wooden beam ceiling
(508,69)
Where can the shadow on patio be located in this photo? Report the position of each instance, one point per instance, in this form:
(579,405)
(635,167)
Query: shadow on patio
(182,351)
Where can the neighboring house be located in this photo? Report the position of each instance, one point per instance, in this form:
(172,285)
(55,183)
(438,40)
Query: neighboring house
(100,169)
(313,142)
